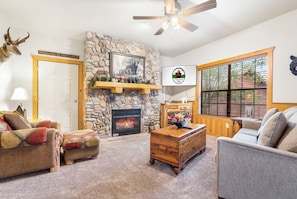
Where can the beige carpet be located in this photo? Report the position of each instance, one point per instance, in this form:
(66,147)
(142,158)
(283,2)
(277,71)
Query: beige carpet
(122,170)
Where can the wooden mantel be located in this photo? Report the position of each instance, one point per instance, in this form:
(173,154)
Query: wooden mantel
(116,87)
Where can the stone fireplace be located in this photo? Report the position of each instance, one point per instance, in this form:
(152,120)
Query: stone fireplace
(100,103)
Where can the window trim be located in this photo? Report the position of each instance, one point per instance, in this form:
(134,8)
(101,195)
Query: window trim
(267,51)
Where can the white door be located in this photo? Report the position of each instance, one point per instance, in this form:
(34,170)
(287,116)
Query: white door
(58,93)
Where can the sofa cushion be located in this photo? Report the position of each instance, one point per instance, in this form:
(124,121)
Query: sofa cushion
(245,138)
(273,129)
(247,131)
(16,121)
(268,114)
(23,137)
(80,139)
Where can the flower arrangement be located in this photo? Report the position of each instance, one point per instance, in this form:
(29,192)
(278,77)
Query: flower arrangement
(180,117)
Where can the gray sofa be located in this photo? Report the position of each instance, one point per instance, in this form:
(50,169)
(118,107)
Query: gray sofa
(260,161)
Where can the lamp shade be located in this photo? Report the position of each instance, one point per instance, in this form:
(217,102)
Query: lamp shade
(20,94)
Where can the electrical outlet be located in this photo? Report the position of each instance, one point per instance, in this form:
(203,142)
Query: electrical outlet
(227,125)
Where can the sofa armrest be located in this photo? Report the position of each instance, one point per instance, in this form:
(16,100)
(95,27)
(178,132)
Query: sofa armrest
(55,125)
(251,171)
(251,124)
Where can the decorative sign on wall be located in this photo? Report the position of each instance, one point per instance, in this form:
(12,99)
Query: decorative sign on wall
(58,54)
(179,76)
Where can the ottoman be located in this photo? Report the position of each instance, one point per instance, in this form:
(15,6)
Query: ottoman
(80,144)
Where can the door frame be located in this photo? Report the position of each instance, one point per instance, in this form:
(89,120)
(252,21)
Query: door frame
(36,59)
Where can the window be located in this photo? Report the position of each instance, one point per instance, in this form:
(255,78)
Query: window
(237,88)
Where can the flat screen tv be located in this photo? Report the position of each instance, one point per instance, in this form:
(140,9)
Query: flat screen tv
(179,76)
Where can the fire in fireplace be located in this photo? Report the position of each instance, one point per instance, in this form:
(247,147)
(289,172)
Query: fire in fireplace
(126,121)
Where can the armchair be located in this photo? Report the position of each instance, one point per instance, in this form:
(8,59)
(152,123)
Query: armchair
(26,147)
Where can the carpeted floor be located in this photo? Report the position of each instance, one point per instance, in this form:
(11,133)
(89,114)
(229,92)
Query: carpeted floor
(122,170)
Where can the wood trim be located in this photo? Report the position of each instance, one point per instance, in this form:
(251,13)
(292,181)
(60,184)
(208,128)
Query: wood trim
(282,106)
(116,87)
(81,80)
(267,51)
(233,59)
(219,126)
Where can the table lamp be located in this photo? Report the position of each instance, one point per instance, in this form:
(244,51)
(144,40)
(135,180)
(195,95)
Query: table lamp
(20,94)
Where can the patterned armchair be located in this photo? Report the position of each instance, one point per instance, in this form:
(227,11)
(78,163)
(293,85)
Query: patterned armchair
(27,147)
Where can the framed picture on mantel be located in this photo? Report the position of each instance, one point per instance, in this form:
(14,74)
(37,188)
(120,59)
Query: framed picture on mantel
(129,67)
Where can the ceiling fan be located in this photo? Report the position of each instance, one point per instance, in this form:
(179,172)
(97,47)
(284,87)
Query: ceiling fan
(174,15)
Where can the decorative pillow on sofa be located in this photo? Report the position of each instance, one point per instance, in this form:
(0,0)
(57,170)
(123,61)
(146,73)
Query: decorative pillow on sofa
(272,130)
(38,136)
(4,126)
(43,123)
(23,137)
(288,140)
(16,121)
(268,114)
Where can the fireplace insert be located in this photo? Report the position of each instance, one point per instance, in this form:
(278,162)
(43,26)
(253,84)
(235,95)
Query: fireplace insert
(126,121)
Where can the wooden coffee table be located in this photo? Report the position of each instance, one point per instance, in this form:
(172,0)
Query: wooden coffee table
(176,146)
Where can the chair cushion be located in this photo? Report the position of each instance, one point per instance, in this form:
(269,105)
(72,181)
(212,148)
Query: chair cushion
(268,114)
(16,121)
(80,139)
(273,129)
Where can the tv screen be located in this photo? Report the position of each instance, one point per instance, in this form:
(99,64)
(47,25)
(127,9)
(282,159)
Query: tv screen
(179,76)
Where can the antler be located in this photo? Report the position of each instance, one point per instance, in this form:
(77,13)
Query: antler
(7,36)
(23,40)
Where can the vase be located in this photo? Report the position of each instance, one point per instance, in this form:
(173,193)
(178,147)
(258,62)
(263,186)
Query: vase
(180,124)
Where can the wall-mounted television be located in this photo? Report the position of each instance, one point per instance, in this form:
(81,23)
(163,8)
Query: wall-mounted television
(179,75)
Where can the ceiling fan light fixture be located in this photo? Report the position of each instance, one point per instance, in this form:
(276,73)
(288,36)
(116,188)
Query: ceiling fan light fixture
(174,15)
(176,27)
(174,20)
(165,25)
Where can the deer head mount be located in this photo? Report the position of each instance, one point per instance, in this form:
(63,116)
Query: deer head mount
(10,46)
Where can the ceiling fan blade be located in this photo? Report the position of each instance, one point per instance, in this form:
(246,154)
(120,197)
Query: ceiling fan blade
(199,8)
(187,25)
(160,31)
(148,17)
(169,6)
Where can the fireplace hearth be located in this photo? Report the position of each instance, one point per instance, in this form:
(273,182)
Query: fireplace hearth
(126,121)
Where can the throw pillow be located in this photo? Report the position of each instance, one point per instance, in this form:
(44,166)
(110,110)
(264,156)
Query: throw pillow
(288,140)
(272,130)
(16,121)
(44,123)
(38,136)
(4,126)
(268,114)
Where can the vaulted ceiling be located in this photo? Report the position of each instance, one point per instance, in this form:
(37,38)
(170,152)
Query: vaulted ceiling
(72,18)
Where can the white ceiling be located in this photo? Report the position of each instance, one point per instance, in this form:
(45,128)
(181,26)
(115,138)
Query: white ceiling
(72,18)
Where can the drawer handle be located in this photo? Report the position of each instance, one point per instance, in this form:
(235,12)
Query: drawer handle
(162,147)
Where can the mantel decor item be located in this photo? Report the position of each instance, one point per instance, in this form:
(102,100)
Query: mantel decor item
(131,67)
